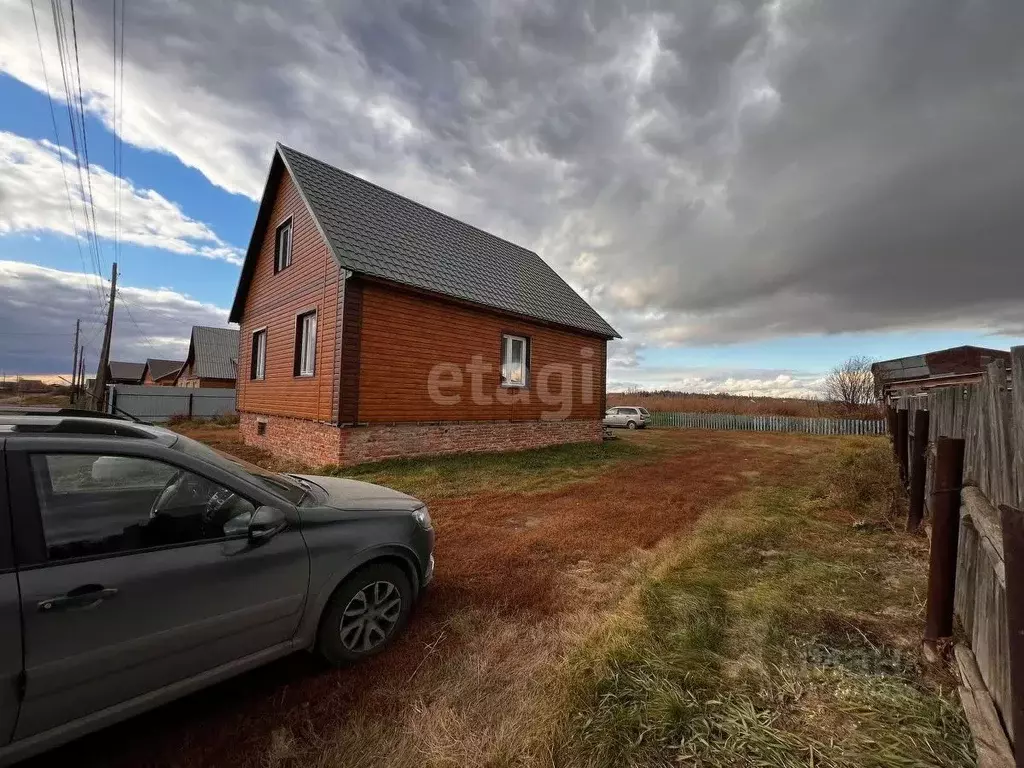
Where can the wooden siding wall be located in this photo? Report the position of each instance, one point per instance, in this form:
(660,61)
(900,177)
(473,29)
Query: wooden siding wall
(312,281)
(404,335)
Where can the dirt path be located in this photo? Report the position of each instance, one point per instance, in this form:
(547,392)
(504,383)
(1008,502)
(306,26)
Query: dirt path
(513,572)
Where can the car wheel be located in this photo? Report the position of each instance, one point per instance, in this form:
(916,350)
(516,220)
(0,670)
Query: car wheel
(631,424)
(364,614)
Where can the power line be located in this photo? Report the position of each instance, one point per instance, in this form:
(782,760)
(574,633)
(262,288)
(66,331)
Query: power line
(67,77)
(56,138)
(125,303)
(85,135)
(118,120)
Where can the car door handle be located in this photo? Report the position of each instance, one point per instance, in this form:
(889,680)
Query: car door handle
(80,598)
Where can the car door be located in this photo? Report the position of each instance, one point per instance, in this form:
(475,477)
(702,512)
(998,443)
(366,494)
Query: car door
(130,583)
(623,416)
(10,620)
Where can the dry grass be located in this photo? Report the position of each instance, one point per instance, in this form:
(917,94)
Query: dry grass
(676,584)
(682,402)
(782,635)
(41,398)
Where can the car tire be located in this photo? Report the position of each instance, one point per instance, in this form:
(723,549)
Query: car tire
(366,597)
(631,425)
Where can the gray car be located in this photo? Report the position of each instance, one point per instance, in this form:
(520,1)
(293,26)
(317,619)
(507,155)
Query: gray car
(630,417)
(137,566)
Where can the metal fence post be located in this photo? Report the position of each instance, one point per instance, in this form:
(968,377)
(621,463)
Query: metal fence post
(918,470)
(1013,560)
(190,405)
(949,473)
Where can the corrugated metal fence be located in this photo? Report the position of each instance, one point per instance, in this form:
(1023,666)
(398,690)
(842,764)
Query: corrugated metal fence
(769,423)
(160,403)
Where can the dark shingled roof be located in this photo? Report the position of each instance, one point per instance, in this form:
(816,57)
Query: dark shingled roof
(381,234)
(125,372)
(214,352)
(158,369)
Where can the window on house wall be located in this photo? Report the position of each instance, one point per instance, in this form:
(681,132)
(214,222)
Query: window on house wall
(305,344)
(283,246)
(258,368)
(514,362)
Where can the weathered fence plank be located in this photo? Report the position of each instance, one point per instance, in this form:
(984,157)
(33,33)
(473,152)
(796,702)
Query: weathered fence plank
(1017,426)
(1013,557)
(981,593)
(990,417)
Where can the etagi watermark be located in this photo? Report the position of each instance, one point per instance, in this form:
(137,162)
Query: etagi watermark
(552,384)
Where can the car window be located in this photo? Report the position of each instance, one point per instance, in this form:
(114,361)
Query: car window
(627,412)
(95,505)
(645,412)
(276,483)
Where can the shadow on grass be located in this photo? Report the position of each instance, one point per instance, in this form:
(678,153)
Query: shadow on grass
(463,474)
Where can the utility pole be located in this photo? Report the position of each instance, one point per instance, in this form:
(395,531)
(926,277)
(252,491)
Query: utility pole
(74,366)
(81,370)
(99,388)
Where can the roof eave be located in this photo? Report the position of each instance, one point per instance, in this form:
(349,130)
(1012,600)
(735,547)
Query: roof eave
(488,307)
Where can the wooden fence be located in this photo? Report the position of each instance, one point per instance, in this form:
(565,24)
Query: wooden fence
(989,418)
(768,423)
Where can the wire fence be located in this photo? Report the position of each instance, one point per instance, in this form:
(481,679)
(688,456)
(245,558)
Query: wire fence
(811,426)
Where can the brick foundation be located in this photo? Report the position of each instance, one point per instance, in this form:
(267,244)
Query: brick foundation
(310,442)
(316,444)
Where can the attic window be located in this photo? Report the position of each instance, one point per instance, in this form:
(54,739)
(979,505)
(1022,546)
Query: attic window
(283,246)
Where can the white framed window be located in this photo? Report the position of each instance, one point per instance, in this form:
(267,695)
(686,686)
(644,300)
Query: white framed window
(305,344)
(513,361)
(283,246)
(258,367)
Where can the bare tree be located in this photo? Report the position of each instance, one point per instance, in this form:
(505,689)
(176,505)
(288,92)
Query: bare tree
(850,383)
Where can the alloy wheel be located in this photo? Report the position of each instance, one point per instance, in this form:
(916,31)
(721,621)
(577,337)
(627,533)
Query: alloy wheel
(370,616)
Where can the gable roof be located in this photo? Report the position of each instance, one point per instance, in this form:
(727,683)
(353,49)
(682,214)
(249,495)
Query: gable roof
(126,371)
(161,369)
(375,232)
(213,352)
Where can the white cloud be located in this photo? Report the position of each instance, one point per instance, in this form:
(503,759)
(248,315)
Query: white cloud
(33,198)
(147,322)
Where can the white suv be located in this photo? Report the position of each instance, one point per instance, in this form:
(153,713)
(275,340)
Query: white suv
(630,417)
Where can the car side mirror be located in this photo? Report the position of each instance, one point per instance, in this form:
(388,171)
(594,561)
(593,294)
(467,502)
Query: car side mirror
(265,523)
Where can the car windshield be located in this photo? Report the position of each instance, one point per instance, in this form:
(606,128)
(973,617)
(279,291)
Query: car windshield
(645,412)
(274,482)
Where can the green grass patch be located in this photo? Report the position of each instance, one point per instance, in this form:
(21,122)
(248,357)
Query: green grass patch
(528,471)
(785,634)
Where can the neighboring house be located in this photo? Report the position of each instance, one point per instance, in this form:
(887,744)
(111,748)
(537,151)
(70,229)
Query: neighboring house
(212,358)
(946,367)
(161,373)
(125,373)
(373,326)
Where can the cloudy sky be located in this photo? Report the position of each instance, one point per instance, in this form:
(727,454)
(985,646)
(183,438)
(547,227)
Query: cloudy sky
(749,191)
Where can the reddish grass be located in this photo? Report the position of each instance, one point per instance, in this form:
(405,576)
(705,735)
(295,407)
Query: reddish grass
(504,555)
(682,402)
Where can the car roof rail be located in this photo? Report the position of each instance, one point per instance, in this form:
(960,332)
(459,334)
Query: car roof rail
(56,410)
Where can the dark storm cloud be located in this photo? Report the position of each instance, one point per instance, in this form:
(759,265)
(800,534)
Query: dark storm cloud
(705,171)
(36,340)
